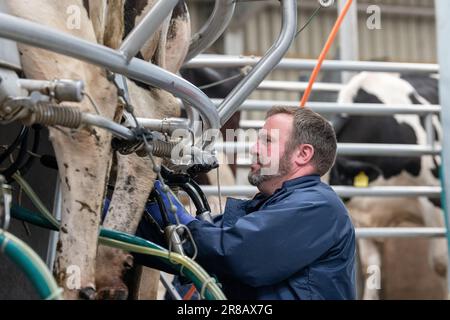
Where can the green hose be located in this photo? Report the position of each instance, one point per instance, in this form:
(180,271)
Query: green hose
(202,281)
(444,205)
(35,199)
(205,284)
(31,264)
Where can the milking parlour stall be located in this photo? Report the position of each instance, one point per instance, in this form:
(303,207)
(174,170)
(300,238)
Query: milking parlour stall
(224,150)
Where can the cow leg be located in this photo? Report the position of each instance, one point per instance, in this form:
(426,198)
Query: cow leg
(133,185)
(370,259)
(128,203)
(83,156)
(433,218)
(97,11)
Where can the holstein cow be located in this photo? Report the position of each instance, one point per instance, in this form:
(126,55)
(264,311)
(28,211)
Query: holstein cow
(84,156)
(391,171)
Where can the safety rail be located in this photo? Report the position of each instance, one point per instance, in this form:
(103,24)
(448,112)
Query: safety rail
(353,149)
(343,191)
(347,108)
(222,61)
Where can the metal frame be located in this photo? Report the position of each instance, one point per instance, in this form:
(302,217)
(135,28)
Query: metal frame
(443,30)
(54,235)
(354,149)
(342,191)
(348,108)
(362,233)
(33,34)
(265,65)
(146,28)
(212,60)
(297,86)
(213,29)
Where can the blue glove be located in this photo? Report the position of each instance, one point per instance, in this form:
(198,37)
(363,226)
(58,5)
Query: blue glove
(153,208)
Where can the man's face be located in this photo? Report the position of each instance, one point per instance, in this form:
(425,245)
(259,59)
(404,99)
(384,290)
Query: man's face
(270,160)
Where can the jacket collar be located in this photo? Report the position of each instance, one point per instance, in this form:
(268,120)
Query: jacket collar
(304,181)
(297,183)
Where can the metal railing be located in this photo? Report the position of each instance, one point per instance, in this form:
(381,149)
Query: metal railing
(348,108)
(215,61)
(342,191)
(350,149)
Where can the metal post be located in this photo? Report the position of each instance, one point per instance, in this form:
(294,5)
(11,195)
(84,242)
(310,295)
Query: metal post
(146,28)
(429,129)
(214,27)
(53,241)
(348,36)
(266,65)
(443,30)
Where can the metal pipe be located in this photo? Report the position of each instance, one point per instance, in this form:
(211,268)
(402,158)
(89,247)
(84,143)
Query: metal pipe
(105,123)
(334,108)
(169,286)
(134,42)
(47,38)
(288,31)
(168,125)
(296,86)
(251,124)
(342,191)
(213,29)
(362,233)
(53,241)
(209,60)
(352,149)
(429,129)
(348,36)
(443,30)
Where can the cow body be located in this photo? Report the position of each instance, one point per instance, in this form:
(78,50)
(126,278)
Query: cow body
(85,156)
(390,171)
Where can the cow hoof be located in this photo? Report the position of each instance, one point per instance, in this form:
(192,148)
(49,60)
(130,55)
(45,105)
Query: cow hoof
(87,293)
(113,293)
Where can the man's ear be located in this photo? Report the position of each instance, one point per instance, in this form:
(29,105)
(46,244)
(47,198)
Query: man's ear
(304,154)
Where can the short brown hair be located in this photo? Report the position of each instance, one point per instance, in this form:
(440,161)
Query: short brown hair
(311,128)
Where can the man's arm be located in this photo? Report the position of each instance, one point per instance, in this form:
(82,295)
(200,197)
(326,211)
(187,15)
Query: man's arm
(267,246)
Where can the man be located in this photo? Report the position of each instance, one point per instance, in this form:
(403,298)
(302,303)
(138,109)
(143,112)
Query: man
(295,239)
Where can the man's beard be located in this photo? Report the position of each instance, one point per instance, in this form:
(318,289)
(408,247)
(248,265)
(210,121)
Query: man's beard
(256,178)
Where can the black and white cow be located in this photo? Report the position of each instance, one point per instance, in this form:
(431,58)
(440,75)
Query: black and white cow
(393,89)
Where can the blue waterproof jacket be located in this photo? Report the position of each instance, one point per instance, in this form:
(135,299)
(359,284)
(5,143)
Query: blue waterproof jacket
(298,243)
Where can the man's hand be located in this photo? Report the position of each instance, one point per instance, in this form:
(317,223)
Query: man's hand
(153,208)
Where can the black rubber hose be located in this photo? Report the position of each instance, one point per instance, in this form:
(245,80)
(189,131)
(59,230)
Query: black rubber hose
(193,194)
(35,148)
(202,195)
(14,145)
(8,173)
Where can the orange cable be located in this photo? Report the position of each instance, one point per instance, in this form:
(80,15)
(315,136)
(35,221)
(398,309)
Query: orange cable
(190,293)
(324,53)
